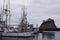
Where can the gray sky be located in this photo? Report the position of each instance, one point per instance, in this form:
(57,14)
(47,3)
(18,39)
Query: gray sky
(37,10)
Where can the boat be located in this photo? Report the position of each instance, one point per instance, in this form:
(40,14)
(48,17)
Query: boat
(26,34)
(23,31)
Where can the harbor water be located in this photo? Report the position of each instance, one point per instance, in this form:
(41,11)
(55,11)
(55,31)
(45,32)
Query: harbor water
(41,36)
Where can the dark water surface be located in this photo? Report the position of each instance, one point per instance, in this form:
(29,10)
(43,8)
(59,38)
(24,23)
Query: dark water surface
(54,35)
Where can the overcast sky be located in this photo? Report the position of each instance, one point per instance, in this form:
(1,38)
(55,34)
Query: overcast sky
(37,10)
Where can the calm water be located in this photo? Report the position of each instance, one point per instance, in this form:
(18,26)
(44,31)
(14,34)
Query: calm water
(42,36)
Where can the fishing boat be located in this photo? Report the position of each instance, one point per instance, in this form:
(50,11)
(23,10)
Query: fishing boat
(26,34)
(24,29)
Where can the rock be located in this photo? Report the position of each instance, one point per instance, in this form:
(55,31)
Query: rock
(48,24)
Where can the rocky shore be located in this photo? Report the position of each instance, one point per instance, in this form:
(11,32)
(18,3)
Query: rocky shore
(48,25)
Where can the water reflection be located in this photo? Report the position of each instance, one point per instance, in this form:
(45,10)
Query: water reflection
(36,37)
(48,35)
(11,38)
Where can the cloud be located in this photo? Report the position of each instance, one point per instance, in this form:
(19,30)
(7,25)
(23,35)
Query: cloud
(37,10)
(44,9)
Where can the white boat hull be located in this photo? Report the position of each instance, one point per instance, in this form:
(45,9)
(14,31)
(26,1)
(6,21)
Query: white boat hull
(28,34)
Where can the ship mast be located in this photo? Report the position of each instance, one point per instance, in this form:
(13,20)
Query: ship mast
(9,14)
(24,20)
(6,15)
(6,10)
(1,15)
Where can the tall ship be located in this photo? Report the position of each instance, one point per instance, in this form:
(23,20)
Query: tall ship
(25,29)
